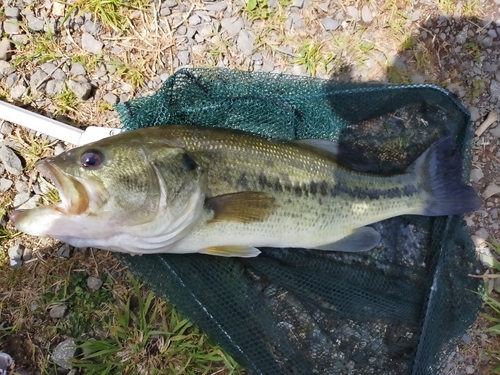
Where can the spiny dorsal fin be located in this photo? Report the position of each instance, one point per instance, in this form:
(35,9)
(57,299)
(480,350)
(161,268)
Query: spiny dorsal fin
(232,251)
(245,207)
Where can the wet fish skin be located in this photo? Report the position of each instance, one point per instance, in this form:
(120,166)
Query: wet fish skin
(230,192)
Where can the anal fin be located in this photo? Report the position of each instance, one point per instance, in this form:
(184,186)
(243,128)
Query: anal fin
(361,239)
(232,251)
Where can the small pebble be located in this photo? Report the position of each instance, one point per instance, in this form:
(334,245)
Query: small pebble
(476,175)
(63,353)
(366,14)
(94,283)
(5,49)
(11,26)
(35,23)
(490,190)
(58,311)
(64,251)
(55,87)
(37,80)
(194,20)
(90,44)
(232,25)
(111,98)
(17,92)
(216,7)
(11,12)
(77,69)
(34,305)
(245,42)
(5,184)
(11,161)
(330,24)
(81,88)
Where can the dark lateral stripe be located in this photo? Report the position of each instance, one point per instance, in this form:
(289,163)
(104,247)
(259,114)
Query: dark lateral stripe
(359,193)
(322,188)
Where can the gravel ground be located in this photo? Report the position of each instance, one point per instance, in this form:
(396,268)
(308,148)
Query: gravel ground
(87,67)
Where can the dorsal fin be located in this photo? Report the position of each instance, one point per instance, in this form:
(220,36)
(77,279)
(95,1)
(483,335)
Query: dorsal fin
(245,207)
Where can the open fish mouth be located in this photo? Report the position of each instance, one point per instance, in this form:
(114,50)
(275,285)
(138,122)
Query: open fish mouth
(73,194)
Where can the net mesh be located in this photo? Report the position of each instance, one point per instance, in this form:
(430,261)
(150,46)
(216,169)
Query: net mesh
(397,309)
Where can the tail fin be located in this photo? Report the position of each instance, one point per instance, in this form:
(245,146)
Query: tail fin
(439,171)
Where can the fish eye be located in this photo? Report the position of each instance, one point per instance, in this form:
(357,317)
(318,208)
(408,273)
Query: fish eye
(91,159)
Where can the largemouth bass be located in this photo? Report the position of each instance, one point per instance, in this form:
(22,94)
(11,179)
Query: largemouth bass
(180,189)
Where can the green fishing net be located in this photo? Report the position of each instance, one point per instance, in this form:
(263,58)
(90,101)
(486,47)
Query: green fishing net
(398,309)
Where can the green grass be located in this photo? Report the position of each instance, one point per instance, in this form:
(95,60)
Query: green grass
(109,12)
(42,47)
(65,102)
(144,336)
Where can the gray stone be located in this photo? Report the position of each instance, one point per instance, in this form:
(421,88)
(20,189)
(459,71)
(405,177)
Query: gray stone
(92,28)
(11,161)
(11,26)
(63,353)
(35,23)
(16,252)
(476,175)
(165,11)
(183,57)
(190,32)
(170,3)
(30,203)
(366,14)
(27,254)
(55,87)
(64,251)
(5,49)
(11,79)
(490,190)
(81,88)
(294,20)
(5,184)
(6,68)
(37,80)
(90,44)
(94,283)
(11,12)
(34,305)
(6,128)
(298,3)
(21,198)
(474,113)
(22,39)
(495,131)
(353,12)
(5,362)
(245,42)
(182,30)
(494,90)
(194,20)
(217,7)
(232,25)
(59,149)
(415,15)
(487,41)
(111,98)
(494,213)
(330,24)
(492,33)
(17,92)
(466,339)
(77,69)
(461,37)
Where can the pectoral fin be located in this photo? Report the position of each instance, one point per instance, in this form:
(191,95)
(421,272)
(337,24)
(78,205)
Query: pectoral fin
(244,207)
(232,251)
(361,239)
